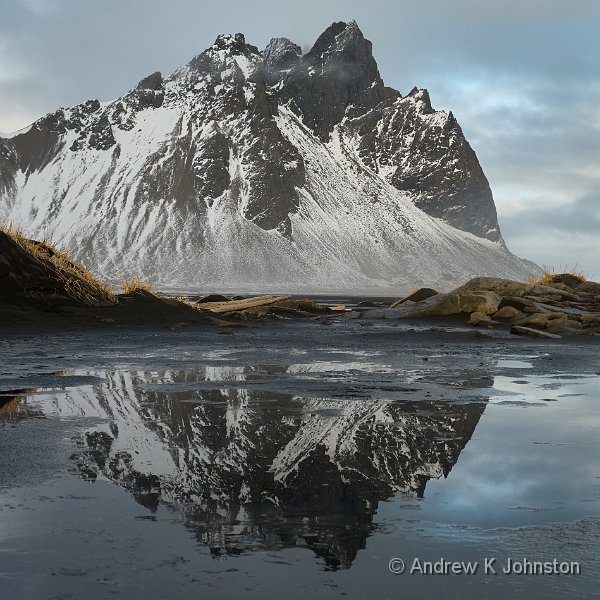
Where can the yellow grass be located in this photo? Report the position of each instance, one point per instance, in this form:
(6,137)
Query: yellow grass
(79,282)
(548,274)
(137,284)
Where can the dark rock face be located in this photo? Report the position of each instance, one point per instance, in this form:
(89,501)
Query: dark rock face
(431,160)
(338,70)
(8,167)
(101,135)
(227,146)
(426,154)
(281,54)
(148,93)
(571,281)
(212,172)
(273,166)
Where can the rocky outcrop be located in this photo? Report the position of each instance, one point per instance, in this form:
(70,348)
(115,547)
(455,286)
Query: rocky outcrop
(510,313)
(337,72)
(434,163)
(482,301)
(8,168)
(526,307)
(280,55)
(479,319)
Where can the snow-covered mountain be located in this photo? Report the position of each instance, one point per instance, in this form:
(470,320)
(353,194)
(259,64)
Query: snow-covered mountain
(247,468)
(261,170)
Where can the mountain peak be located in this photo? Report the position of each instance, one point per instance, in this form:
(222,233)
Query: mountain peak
(306,162)
(339,71)
(281,53)
(229,40)
(233,43)
(422,95)
(340,36)
(151,82)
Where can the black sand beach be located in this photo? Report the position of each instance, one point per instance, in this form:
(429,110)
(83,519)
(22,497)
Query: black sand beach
(149,462)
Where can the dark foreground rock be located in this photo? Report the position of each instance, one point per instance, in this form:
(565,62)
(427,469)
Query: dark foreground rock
(41,286)
(33,273)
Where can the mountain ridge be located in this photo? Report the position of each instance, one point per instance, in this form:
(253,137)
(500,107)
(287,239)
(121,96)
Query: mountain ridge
(243,157)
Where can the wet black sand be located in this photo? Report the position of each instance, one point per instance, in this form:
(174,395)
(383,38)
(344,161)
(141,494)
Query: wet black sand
(388,439)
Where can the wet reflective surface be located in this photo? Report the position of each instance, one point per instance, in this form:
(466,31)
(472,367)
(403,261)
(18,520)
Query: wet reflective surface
(260,467)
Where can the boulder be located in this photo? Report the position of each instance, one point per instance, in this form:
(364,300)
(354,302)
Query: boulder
(564,279)
(556,315)
(509,312)
(588,286)
(416,296)
(520,330)
(515,302)
(563,326)
(458,302)
(443,305)
(212,298)
(295,313)
(534,320)
(590,318)
(483,301)
(546,290)
(302,304)
(504,287)
(531,310)
(480,319)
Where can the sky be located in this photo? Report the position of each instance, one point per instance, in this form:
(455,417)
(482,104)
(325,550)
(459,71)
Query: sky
(522,78)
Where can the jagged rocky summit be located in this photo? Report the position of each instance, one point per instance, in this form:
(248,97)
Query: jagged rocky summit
(261,170)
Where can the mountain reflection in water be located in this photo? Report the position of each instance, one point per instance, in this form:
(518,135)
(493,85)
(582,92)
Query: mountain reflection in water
(254,469)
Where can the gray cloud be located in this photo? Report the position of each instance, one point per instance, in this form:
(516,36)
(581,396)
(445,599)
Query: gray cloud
(562,235)
(579,217)
(522,77)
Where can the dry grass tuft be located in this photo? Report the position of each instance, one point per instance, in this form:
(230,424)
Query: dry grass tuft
(548,274)
(78,281)
(137,284)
